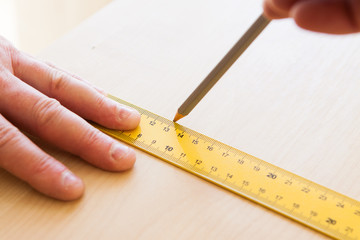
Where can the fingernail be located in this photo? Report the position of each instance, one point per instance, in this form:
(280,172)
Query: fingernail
(126,112)
(118,152)
(129,118)
(68,179)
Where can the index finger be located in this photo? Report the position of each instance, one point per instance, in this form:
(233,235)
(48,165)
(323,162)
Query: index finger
(75,95)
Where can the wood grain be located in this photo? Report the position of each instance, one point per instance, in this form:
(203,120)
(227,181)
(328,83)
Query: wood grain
(292,99)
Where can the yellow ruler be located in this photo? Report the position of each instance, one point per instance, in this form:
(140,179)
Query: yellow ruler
(315,206)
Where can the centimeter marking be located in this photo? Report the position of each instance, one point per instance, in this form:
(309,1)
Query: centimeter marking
(311,204)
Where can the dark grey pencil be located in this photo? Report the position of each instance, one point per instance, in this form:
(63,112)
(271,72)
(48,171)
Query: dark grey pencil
(235,52)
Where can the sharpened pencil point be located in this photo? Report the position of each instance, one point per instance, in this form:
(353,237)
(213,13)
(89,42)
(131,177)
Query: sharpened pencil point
(177,117)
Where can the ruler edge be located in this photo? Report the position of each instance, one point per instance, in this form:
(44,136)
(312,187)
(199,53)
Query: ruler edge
(313,184)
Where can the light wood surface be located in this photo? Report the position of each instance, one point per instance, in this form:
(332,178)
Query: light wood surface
(293,99)
(32,25)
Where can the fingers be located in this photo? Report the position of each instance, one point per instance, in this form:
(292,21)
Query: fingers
(336,17)
(46,118)
(78,96)
(21,157)
(327,16)
(34,112)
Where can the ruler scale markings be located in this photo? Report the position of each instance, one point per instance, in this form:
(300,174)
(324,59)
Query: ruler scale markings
(272,187)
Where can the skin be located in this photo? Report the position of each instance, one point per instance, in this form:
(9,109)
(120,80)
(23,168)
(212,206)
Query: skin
(326,16)
(44,101)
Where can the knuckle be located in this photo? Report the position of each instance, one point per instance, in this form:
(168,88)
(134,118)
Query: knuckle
(5,78)
(46,111)
(8,135)
(15,59)
(58,81)
(101,102)
(90,138)
(42,166)
(7,46)
(108,109)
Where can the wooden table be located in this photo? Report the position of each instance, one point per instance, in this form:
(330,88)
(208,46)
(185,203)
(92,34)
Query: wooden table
(293,99)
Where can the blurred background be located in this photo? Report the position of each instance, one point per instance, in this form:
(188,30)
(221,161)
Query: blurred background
(32,25)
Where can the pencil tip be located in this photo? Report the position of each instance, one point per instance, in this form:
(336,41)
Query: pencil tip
(178,116)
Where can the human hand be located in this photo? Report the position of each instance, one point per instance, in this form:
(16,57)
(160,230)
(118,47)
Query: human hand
(327,16)
(28,89)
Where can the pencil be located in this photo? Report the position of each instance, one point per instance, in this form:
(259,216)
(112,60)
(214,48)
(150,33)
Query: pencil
(235,52)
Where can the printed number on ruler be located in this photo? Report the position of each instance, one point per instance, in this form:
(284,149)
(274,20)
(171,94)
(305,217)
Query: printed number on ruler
(313,205)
